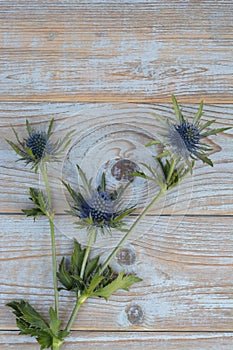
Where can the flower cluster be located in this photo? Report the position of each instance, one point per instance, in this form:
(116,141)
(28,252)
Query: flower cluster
(184,139)
(97,207)
(38,148)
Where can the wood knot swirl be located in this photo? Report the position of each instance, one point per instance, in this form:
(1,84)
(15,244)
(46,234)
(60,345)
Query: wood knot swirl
(135,314)
(126,257)
(122,169)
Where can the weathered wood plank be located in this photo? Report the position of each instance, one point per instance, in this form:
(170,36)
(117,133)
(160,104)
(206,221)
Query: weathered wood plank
(186,266)
(133,340)
(100,50)
(110,131)
(103,51)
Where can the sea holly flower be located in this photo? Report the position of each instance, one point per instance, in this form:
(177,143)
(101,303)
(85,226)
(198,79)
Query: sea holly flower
(38,147)
(37,150)
(97,207)
(184,139)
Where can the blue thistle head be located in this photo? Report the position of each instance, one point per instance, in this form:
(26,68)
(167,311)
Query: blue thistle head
(190,135)
(37,142)
(37,147)
(98,208)
(185,138)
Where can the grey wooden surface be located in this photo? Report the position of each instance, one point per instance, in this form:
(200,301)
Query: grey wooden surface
(58,59)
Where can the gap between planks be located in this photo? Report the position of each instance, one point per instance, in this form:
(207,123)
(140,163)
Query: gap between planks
(134,340)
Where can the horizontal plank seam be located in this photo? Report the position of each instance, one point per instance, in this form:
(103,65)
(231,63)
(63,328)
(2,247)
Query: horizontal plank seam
(135,215)
(116,100)
(134,331)
(141,102)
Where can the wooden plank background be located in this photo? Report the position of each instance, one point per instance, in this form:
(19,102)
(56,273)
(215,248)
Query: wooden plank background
(103,68)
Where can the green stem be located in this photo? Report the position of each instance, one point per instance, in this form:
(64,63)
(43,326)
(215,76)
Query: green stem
(52,233)
(54,262)
(92,236)
(135,224)
(171,170)
(56,346)
(79,300)
(78,304)
(47,187)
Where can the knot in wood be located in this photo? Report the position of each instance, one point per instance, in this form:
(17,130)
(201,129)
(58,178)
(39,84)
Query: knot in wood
(126,257)
(122,168)
(135,314)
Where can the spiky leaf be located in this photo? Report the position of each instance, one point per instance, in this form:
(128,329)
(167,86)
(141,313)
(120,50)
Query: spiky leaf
(38,198)
(45,340)
(64,276)
(30,322)
(93,284)
(55,323)
(153,142)
(205,125)
(177,110)
(214,132)
(121,282)
(102,186)
(50,126)
(28,127)
(33,212)
(205,159)
(199,113)
(25,312)
(85,181)
(77,258)
(16,148)
(75,196)
(91,267)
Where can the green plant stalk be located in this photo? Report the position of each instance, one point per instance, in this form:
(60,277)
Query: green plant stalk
(135,224)
(171,170)
(47,187)
(54,262)
(56,345)
(52,233)
(81,300)
(92,237)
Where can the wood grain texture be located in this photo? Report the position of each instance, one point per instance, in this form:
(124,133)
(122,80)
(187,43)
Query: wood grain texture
(186,266)
(111,51)
(57,53)
(132,340)
(105,131)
